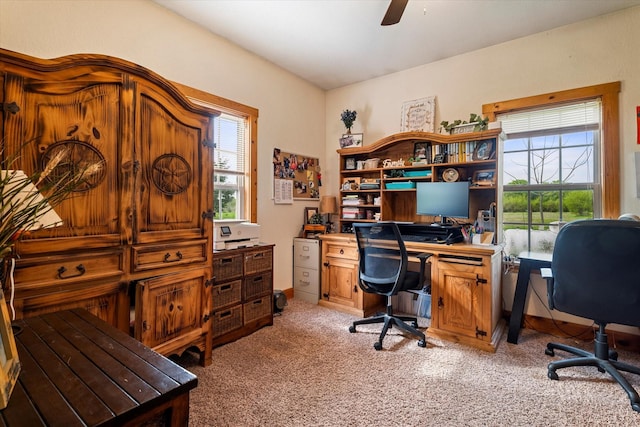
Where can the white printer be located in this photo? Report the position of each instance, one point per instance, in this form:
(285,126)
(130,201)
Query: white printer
(235,234)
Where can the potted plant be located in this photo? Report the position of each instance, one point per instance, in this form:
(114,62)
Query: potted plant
(475,124)
(348,117)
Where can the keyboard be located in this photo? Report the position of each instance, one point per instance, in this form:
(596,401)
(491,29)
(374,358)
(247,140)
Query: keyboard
(420,238)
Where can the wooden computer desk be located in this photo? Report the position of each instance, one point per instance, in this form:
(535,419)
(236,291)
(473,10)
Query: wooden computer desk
(79,371)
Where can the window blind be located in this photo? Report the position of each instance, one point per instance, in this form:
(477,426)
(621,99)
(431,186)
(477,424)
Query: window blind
(580,114)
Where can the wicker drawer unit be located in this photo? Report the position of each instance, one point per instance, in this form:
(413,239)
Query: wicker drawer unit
(257,309)
(242,293)
(227,267)
(225,294)
(226,320)
(257,285)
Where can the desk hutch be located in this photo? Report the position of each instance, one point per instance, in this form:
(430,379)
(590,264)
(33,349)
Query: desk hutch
(465,278)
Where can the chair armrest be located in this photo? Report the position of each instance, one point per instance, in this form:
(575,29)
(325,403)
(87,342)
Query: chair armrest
(423,257)
(546,273)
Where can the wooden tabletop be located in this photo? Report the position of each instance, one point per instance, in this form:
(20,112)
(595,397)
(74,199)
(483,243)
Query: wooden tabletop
(78,370)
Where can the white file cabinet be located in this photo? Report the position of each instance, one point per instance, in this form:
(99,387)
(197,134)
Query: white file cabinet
(306,269)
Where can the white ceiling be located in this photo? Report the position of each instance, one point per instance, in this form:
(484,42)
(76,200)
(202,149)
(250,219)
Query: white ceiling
(333,43)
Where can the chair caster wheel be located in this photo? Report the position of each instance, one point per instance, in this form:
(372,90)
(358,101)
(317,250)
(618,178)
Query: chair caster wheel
(422,343)
(414,324)
(552,375)
(613,355)
(378,346)
(636,406)
(549,352)
(352,329)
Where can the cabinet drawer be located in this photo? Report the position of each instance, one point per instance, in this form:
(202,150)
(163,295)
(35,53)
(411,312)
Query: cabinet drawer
(257,261)
(227,267)
(257,309)
(257,285)
(306,253)
(60,270)
(224,321)
(226,294)
(342,251)
(149,257)
(306,280)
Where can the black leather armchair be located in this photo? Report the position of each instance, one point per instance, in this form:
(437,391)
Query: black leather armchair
(383,270)
(595,273)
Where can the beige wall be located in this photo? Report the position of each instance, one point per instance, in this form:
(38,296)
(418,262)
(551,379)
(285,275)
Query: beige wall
(291,110)
(591,52)
(299,117)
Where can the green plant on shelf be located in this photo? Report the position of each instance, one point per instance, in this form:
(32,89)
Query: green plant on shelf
(479,122)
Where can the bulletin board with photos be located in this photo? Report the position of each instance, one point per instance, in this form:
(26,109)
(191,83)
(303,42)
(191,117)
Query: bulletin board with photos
(300,173)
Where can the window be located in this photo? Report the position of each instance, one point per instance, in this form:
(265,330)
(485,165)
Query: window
(557,152)
(230,169)
(235,156)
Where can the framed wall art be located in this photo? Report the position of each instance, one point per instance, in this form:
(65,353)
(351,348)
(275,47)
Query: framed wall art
(418,115)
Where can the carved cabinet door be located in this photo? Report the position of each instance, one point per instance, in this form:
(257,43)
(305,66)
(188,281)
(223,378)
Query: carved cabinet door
(173,189)
(170,309)
(82,115)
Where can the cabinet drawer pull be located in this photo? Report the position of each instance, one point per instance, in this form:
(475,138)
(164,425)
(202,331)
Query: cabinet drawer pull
(341,251)
(225,314)
(79,267)
(168,255)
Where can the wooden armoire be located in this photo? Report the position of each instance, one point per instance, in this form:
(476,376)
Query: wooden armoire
(136,244)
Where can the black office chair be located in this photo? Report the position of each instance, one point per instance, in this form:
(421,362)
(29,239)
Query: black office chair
(383,270)
(595,273)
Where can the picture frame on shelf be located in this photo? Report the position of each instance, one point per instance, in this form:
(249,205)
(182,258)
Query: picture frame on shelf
(484,150)
(350,163)
(309,212)
(484,178)
(350,140)
(420,150)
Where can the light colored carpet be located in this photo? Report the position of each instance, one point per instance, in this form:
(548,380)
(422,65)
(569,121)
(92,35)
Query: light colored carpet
(308,370)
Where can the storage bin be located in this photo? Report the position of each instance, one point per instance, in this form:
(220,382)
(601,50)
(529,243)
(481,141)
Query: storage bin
(257,309)
(257,261)
(417,173)
(226,294)
(255,286)
(400,185)
(371,163)
(226,320)
(227,267)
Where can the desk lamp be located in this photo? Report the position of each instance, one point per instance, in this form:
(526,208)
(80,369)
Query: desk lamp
(328,206)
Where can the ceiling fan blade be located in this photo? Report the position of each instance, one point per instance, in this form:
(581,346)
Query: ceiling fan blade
(394,12)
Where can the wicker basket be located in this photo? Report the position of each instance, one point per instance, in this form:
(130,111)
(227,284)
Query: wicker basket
(371,163)
(257,261)
(258,285)
(227,267)
(226,320)
(257,309)
(226,294)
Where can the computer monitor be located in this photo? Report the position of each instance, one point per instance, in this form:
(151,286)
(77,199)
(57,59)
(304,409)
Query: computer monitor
(443,199)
